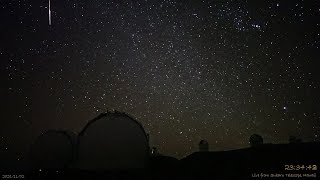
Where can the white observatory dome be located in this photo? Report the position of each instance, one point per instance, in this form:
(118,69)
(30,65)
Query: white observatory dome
(53,149)
(112,141)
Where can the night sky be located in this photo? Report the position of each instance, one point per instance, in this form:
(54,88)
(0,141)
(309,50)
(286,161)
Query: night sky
(187,70)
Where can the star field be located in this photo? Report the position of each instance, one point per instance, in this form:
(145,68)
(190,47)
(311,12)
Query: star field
(187,70)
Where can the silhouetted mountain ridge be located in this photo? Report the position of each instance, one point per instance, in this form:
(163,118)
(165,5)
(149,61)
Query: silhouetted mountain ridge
(115,145)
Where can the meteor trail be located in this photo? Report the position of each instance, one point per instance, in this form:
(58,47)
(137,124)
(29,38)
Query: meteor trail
(49,13)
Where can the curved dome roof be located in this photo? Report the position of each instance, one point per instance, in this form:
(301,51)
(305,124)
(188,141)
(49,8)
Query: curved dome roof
(255,139)
(112,140)
(53,149)
(203,142)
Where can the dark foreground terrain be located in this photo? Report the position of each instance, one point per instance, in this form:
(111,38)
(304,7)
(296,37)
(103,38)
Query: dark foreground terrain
(286,161)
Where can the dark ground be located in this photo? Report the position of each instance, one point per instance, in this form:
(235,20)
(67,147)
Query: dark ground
(269,159)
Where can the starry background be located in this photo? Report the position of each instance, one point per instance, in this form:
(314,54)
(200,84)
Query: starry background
(187,70)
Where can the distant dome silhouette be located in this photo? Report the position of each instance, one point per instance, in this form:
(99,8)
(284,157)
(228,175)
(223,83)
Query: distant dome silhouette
(53,149)
(203,146)
(112,140)
(255,140)
(293,139)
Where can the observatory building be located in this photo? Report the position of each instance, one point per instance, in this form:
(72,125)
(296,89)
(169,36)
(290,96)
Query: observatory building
(53,150)
(203,146)
(112,141)
(255,140)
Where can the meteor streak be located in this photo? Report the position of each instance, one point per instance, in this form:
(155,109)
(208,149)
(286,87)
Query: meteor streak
(49,13)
